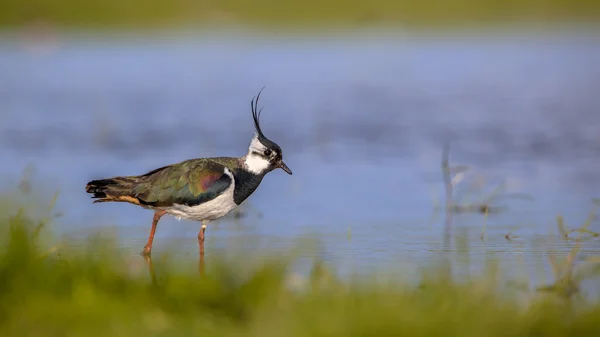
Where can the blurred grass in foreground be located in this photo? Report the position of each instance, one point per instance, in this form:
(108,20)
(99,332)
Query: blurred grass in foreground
(295,13)
(45,291)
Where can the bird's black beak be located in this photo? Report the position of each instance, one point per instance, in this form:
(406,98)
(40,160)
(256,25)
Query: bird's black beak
(284,167)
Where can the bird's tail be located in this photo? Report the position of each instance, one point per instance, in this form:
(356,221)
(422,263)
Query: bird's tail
(119,189)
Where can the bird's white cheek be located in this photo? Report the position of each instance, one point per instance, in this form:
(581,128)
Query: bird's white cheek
(256,164)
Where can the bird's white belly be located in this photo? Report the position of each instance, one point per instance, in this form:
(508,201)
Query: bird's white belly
(208,211)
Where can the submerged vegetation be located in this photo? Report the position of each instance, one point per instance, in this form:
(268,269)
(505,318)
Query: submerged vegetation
(46,290)
(299,13)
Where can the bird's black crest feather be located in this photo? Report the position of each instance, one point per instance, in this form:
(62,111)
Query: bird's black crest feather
(256,116)
(256,113)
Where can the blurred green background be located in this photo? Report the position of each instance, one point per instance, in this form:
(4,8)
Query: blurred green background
(98,291)
(95,13)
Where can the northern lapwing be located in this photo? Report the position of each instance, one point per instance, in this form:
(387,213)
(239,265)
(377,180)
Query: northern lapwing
(202,189)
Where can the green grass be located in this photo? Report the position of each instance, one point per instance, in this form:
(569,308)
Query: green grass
(96,13)
(99,291)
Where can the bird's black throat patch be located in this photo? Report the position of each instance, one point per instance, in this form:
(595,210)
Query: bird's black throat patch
(245,184)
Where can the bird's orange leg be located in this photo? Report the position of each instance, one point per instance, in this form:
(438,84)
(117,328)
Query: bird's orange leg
(201,238)
(148,247)
(201,244)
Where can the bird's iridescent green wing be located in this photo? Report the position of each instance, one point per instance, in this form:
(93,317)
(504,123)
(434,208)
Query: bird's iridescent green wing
(190,183)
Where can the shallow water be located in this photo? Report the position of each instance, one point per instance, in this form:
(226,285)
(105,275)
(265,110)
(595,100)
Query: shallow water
(361,121)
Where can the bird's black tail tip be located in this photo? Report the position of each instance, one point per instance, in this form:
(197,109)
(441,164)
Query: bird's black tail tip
(98,187)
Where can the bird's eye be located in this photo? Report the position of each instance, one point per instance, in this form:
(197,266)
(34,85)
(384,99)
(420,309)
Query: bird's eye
(267,153)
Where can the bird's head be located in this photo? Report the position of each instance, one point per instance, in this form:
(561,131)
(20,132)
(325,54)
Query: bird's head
(264,155)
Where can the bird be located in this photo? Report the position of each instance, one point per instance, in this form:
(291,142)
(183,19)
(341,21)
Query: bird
(200,189)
